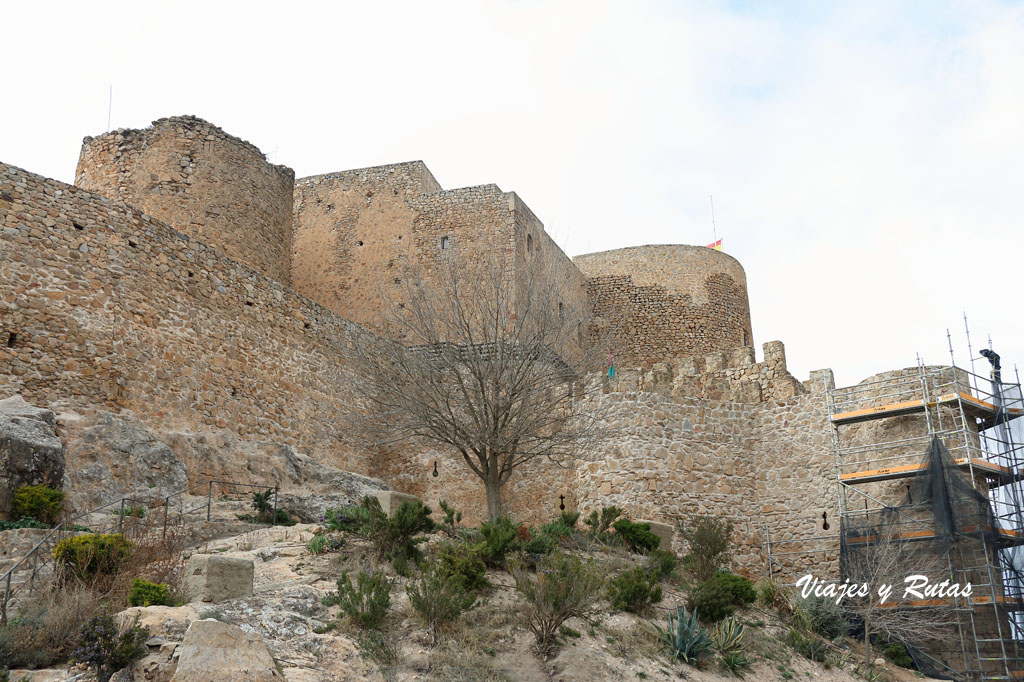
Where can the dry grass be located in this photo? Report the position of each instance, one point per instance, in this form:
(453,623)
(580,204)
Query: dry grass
(49,626)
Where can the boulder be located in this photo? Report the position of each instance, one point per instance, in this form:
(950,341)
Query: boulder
(30,451)
(219,651)
(215,578)
(110,456)
(663,531)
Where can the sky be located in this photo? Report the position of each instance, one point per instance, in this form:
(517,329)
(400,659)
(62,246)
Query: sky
(865,158)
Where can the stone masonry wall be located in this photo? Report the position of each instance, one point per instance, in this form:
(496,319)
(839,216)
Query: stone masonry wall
(196,178)
(662,302)
(105,307)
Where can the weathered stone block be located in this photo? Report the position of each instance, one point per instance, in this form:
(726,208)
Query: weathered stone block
(391,500)
(663,531)
(30,451)
(214,578)
(213,650)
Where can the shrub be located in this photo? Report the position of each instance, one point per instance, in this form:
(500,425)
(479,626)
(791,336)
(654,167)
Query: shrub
(811,647)
(822,616)
(710,543)
(539,544)
(686,640)
(741,589)
(637,536)
(348,519)
(23,522)
(634,591)
(500,538)
(600,523)
(135,511)
(366,603)
(452,517)
(86,556)
(464,563)
(661,563)
(569,519)
(713,601)
(145,593)
(48,626)
(106,648)
(736,662)
(556,530)
(393,538)
(565,587)
(263,504)
(897,653)
(43,504)
(439,598)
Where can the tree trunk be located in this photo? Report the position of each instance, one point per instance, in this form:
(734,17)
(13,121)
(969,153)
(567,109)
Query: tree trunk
(492,485)
(867,645)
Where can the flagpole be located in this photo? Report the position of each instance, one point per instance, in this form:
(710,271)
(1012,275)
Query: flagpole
(714,228)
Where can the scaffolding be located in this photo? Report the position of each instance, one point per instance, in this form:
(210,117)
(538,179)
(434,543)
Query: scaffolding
(929,460)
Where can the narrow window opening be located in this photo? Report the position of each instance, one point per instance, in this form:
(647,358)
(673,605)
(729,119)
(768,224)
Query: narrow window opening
(132,243)
(397,281)
(561,311)
(306,325)
(78,226)
(359,243)
(249,303)
(234,392)
(399,237)
(11,339)
(445,242)
(529,243)
(191,274)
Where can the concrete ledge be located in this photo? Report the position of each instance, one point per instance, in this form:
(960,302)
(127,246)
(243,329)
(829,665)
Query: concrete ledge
(391,500)
(663,531)
(215,578)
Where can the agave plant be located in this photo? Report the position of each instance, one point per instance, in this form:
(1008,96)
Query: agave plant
(687,641)
(728,636)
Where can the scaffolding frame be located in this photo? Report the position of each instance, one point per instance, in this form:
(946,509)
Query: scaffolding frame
(969,415)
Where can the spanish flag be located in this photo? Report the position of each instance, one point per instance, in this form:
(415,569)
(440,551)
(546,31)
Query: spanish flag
(717,246)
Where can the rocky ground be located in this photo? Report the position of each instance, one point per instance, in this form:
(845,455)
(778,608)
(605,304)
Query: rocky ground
(283,623)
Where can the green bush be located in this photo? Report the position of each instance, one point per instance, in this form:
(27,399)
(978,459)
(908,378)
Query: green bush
(564,587)
(897,653)
(539,544)
(686,640)
(452,517)
(634,591)
(500,539)
(135,511)
(822,616)
(106,648)
(712,601)
(600,522)
(366,603)
(728,636)
(811,647)
(86,556)
(710,543)
(23,522)
(439,598)
(145,593)
(741,589)
(661,563)
(556,530)
(353,519)
(43,504)
(393,538)
(637,536)
(464,563)
(569,519)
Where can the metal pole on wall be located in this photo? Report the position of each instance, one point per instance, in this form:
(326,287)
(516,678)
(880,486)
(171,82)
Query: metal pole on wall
(167,504)
(209,501)
(273,521)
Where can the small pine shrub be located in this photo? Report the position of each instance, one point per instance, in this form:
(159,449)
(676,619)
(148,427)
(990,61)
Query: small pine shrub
(452,517)
(564,587)
(86,556)
(712,601)
(400,534)
(464,563)
(599,523)
(106,648)
(263,504)
(366,603)
(897,653)
(741,589)
(38,502)
(634,591)
(822,616)
(661,563)
(539,544)
(500,539)
(145,593)
(569,519)
(637,536)
(709,539)
(556,530)
(438,598)
(348,519)
(686,640)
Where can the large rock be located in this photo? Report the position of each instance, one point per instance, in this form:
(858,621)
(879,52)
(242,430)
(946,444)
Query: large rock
(215,578)
(391,500)
(30,451)
(308,487)
(219,651)
(110,456)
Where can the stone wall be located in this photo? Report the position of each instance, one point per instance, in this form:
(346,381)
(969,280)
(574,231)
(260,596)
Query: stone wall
(205,183)
(662,302)
(105,307)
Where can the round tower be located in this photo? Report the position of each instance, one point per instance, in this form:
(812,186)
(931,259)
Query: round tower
(667,301)
(193,176)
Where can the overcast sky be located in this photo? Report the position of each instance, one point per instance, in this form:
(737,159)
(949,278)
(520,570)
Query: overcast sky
(865,158)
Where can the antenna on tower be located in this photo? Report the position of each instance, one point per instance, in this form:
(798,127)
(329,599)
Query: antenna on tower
(714,228)
(110,105)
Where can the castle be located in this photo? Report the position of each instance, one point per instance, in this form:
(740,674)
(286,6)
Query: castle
(186,279)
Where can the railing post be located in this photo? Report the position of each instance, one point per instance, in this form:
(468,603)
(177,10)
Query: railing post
(209,501)
(120,518)
(7,595)
(167,504)
(273,520)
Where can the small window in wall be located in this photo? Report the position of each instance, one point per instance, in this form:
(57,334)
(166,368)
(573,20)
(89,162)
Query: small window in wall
(561,311)
(12,338)
(529,243)
(446,242)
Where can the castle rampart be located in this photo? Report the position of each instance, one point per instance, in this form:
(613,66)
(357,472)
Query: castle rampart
(669,301)
(205,183)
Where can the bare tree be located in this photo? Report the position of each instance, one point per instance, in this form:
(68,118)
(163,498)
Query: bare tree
(887,557)
(490,364)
